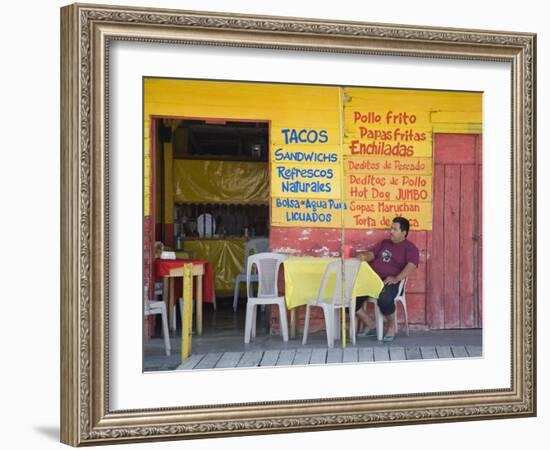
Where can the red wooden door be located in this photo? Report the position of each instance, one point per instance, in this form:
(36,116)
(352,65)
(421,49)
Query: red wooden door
(454,247)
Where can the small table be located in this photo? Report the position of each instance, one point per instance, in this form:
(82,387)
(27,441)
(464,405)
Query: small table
(171,269)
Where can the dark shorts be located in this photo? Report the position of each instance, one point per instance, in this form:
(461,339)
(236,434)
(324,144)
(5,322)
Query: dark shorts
(385,300)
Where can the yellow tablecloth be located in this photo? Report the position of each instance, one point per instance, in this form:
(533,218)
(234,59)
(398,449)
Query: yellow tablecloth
(303,276)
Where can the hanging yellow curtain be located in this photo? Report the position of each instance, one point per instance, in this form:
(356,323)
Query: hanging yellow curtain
(226,257)
(212,181)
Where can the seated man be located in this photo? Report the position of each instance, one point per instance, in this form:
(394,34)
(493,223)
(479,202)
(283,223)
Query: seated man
(393,260)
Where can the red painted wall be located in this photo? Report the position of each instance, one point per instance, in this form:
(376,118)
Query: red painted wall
(455,268)
(148,268)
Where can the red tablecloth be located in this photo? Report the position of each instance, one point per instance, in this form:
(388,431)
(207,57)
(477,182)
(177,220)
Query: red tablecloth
(164,266)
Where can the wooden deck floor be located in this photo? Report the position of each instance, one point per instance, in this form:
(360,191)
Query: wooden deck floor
(310,356)
(222,346)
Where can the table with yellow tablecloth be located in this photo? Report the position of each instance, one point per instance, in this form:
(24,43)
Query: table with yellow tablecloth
(302,279)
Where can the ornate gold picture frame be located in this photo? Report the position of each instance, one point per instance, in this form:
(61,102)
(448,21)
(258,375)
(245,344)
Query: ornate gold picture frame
(87,32)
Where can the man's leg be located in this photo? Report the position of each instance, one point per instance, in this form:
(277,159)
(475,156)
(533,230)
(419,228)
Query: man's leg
(386,303)
(390,325)
(362,314)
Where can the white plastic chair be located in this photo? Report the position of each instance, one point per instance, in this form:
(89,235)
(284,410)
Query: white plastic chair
(334,269)
(351,270)
(159,292)
(267,269)
(332,305)
(153,307)
(400,298)
(254,246)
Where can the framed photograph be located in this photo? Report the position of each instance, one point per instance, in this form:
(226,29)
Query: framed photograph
(275,224)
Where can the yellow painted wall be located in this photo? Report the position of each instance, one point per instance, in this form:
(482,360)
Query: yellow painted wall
(283,105)
(399,124)
(311,108)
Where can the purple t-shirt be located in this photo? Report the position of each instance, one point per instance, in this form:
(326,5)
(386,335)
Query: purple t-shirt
(390,259)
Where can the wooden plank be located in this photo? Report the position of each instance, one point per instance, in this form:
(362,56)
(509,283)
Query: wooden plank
(428,264)
(468,205)
(302,357)
(381,354)
(451,263)
(435,311)
(456,117)
(459,351)
(209,361)
(229,359)
(318,356)
(397,353)
(444,351)
(453,148)
(350,355)
(413,353)
(250,359)
(366,354)
(479,286)
(191,362)
(334,355)
(474,351)
(428,353)
(270,358)
(286,357)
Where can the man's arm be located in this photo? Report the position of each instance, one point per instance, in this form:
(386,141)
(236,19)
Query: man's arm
(369,256)
(407,270)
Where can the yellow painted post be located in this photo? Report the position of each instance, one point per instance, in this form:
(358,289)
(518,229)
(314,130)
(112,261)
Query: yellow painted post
(168,218)
(147,168)
(342,98)
(187,314)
